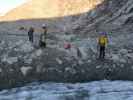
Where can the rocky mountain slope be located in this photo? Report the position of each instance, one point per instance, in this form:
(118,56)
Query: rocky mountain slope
(36,9)
(88,16)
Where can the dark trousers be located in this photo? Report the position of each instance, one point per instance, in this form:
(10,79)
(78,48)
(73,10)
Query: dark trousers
(102,52)
(31,38)
(42,44)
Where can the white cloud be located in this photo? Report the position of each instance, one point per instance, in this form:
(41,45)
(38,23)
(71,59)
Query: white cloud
(7,5)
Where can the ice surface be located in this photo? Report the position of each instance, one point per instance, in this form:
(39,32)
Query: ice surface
(98,90)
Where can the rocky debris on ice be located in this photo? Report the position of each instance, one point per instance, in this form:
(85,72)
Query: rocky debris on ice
(129,55)
(9,60)
(15,45)
(37,53)
(66,37)
(39,68)
(25,70)
(83,52)
(28,60)
(26,47)
(122,60)
(70,70)
(73,52)
(115,57)
(123,51)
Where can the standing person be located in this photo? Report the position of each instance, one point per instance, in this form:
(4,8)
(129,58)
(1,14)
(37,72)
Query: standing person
(102,42)
(30,34)
(43,36)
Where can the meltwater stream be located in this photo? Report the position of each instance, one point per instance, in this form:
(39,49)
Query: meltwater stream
(98,90)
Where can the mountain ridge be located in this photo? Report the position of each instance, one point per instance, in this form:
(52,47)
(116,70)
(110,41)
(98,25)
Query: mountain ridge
(50,9)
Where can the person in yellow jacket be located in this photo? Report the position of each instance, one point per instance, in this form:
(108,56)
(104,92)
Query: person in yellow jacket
(102,42)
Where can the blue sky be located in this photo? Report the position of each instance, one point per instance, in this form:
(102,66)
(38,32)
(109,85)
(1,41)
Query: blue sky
(7,5)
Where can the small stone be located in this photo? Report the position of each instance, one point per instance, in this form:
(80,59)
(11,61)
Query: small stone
(130,51)
(73,52)
(25,70)
(97,67)
(70,70)
(26,47)
(122,65)
(123,61)
(0,70)
(59,61)
(38,69)
(115,57)
(10,60)
(108,55)
(80,62)
(89,61)
(114,66)
(82,53)
(28,61)
(44,70)
(110,69)
(38,52)
(11,70)
(123,51)
(130,55)
(83,71)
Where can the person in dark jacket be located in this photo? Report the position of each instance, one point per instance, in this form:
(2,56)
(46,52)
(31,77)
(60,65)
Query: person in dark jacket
(31,35)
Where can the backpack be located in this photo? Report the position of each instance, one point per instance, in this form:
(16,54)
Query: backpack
(102,41)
